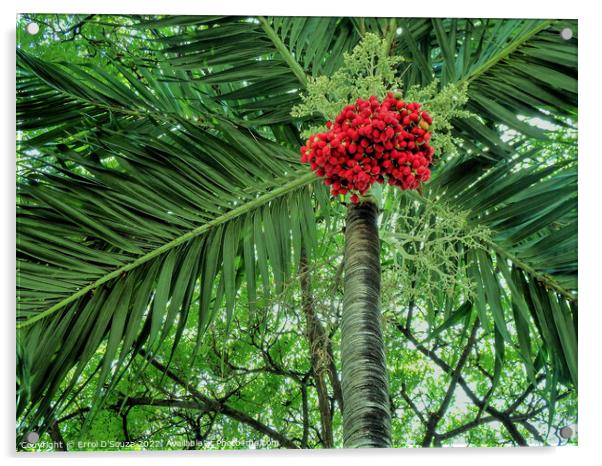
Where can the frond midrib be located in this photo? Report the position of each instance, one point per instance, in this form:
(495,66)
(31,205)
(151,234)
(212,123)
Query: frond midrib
(505,52)
(546,279)
(284,52)
(297,183)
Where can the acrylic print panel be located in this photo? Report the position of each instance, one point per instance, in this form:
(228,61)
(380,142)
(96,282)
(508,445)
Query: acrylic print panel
(295,232)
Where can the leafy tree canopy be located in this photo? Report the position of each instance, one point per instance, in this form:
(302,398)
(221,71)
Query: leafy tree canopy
(180,272)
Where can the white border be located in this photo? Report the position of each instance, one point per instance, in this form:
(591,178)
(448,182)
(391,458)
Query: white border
(589,224)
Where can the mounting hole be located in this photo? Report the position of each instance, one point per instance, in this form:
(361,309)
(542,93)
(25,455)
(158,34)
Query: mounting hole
(32,438)
(566,33)
(566,432)
(33,28)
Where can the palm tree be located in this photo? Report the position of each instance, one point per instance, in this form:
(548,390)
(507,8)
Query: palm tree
(367,417)
(153,187)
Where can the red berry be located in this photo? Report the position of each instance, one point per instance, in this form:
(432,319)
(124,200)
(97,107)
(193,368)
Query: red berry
(372,142)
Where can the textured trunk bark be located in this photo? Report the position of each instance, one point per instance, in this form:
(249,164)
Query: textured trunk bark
(318,348)
(367,416)
(57,438)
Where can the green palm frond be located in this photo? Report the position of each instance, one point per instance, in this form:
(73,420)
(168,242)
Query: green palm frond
(514,69)
(150,195)
(529,263)
(117,230)
(258,65)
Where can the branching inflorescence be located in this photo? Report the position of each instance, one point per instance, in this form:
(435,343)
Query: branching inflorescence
(383,137)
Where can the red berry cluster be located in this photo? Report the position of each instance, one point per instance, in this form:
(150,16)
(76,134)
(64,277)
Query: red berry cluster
(370,142)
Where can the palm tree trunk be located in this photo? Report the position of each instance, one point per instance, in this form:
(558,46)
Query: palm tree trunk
(367,416)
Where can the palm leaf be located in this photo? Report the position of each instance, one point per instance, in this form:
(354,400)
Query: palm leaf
(117,230)
(140,190)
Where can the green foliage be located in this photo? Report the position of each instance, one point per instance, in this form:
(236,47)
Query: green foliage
(445,104)
(160,201)
(428,246)
(368,70)
(260,366)
(371,70)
